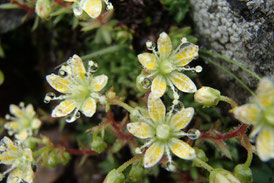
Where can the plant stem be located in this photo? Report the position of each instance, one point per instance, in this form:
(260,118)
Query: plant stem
(231,61)
(122,104)
(249,158)
(129,162)
(230,73)
(103,51)
(41,151)
(229,100)
(203,164)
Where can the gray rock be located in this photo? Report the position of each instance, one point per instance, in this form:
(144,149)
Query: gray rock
(241,30)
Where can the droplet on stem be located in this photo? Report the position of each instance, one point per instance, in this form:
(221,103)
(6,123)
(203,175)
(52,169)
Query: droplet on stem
(193,134)
(49,96)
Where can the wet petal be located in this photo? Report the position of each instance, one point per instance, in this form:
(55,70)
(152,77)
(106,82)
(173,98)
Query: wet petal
(148,60)
(158,87)
(248,113)
(182,149)
(164,45)
(92,7)
(99,82)
(16,111)
(265,92)
(14,125)
(183,83)
(181,119)
(89,107)
(64,108)
(77,66)
(58,83)
(265,143)
(156,108)
(15,176)
(140,129)
(186,55)
(36,123)
(8,144)
(153,155)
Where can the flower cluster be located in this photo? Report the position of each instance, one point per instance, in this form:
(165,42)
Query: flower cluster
(163,131)
(79,87)
(260,113)
(19,158)
(23,123)
(92,7)
(164,66)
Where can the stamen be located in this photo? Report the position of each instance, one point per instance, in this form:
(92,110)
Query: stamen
(139,150)
(175,94)
(183,41)
(9,117)
(109,5)
(74,116)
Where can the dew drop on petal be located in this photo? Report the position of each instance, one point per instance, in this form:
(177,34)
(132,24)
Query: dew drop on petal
(49,96)
(146,83)
(62,73)
(193,134)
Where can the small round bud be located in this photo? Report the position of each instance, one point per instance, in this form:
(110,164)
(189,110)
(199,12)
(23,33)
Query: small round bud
(220,175)
(243,173)
(52,160)
(171,167)
(207,96)
(114,176)
(64,157)
(98,144)
(136,172)
(43,8)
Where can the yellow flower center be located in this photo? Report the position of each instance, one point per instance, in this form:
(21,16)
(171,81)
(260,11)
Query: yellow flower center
(166,67)
(163,131)
(81,92)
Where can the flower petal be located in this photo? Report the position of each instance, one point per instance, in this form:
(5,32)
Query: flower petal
(183,83)
(182,149)
(182,118)
(153,155)
(28,174)
(265,143)
(248,113)
(13,125)
(77,66)
(164,45)
(58,83)
(99,82)
(15,176)
(16,111)
(186,55)
(92,7)
(29,110)
(156,108)
(140,129)
(148,60)
(64,108)
(22,135)
(158,87)
(89,107)
(265,92)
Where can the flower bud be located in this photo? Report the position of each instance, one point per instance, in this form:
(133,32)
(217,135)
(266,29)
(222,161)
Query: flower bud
(220,175)
(207,96)
(64,157)
(114,176)
(243,173)
(30,143)
(136,172)
(52,160)
(43,8)
(98,144)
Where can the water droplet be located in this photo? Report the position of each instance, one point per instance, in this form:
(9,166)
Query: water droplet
(78,115)
(179,106)
(109,6)
(49,96)
(77,10)
(93,66)
(171,167)
(198,68)
(71,118)
(7,117)
(146,83)
(193,134)
(150,45)
(62,73)
(138,150)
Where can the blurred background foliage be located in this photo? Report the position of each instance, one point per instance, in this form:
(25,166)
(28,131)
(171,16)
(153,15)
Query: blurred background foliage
(31,48)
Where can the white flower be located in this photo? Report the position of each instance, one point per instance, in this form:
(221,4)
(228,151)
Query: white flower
(80,89)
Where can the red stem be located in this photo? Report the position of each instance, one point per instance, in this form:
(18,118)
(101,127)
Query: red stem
(240,130)
(23,6)
(81,152)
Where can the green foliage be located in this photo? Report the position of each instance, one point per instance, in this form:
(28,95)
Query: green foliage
(177,8)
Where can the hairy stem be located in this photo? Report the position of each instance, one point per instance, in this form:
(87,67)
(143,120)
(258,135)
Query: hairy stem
(203,164)
(229,100)
(129,162)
